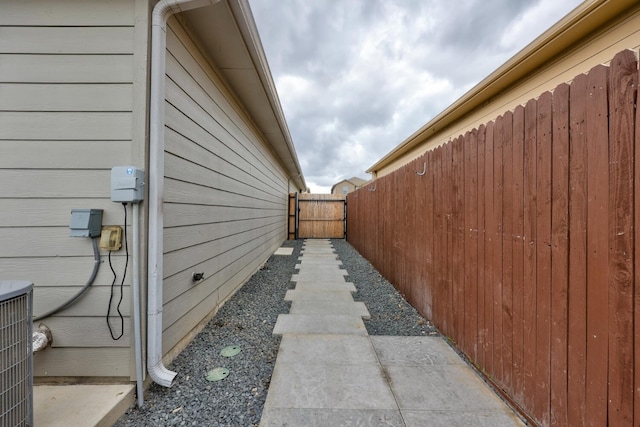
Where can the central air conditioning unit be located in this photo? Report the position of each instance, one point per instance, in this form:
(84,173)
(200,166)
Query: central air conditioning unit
(16,354)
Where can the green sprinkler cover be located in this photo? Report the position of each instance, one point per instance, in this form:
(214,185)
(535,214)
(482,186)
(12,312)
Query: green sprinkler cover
(230,351)
(217,374)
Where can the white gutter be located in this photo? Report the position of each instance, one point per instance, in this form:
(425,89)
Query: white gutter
(161,13)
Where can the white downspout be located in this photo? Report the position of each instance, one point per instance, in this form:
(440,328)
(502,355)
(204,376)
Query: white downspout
(161,13)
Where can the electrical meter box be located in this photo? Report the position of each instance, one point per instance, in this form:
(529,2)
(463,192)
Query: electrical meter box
(85,222)
(127,184)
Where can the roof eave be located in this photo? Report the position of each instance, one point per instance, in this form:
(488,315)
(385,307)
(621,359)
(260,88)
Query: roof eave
(246,22)
(575,26)
(239,59)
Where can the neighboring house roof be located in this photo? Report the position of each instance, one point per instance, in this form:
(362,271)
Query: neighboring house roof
(229,35)
(355,181)
(570,30)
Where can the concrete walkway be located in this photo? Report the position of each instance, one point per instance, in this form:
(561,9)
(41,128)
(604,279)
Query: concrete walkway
(330,372)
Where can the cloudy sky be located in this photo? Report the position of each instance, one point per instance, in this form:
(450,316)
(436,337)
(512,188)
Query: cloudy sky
(357,77)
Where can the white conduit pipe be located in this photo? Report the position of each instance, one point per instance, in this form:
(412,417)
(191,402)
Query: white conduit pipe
(136,304)
(161,13)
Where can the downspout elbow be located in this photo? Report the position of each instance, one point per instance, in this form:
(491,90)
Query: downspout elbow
(161,375)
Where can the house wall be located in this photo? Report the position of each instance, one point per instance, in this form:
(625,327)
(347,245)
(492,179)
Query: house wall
(596,49)
(68,89)
(338,188)
(225,200)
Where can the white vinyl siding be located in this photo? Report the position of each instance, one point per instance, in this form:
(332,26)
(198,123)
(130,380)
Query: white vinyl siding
(66,99)
(225,194)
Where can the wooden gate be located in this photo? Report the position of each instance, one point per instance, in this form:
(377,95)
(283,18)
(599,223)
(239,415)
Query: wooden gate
(317,216)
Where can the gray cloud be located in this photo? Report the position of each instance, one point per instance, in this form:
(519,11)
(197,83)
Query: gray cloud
(357,77)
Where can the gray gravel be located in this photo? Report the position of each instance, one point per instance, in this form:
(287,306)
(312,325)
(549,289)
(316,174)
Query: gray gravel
(390,313)
(247,319)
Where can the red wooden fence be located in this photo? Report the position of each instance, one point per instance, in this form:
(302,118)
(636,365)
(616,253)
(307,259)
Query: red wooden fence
(519,242)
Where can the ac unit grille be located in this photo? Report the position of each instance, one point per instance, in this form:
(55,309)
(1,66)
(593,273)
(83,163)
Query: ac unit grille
(16,356)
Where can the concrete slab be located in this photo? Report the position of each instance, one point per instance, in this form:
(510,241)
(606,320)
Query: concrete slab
(325,349)
(316,295)
(444,387)
(81,405)
(319,324)
(320,269)
(284,251)
(308,257)
(331,265)
(325,286)
(317,252)
(346,308)
(480,418)
(309,277)
(319,261)
(414,351)
(306,386)
(330,417)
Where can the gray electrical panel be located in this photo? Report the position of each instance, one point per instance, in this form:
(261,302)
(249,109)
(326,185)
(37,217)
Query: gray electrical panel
(85,222)
(127,184)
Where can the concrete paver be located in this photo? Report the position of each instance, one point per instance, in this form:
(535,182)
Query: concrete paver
(325,286)
(317,256)
(414,351)
(333,308)
(330,372)
(318,295)
(330,417)
(319,261)
(319,324)
(327,349)
(284,251)
(328,276)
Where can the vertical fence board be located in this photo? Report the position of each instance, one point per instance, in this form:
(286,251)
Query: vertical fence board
(413,235)
(440,248)
(490,250)
(518,251)
(481,330)
(507,253)
(498,192)
(398,211)
(597,245)
(387,215)
(529,292)
(559,254)
(621,115)
(471,244)
(543,257)
(449,199)
(423,218)
(428,209)
(458,237)
(409,234)
(636,297)
(577,334)
(378,227)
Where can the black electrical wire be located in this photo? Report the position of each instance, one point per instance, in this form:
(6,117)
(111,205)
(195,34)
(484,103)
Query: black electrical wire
(94,273)
(124,275)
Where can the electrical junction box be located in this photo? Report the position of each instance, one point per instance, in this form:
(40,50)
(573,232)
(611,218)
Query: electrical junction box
(111,238)
(127,184)
(85,222)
